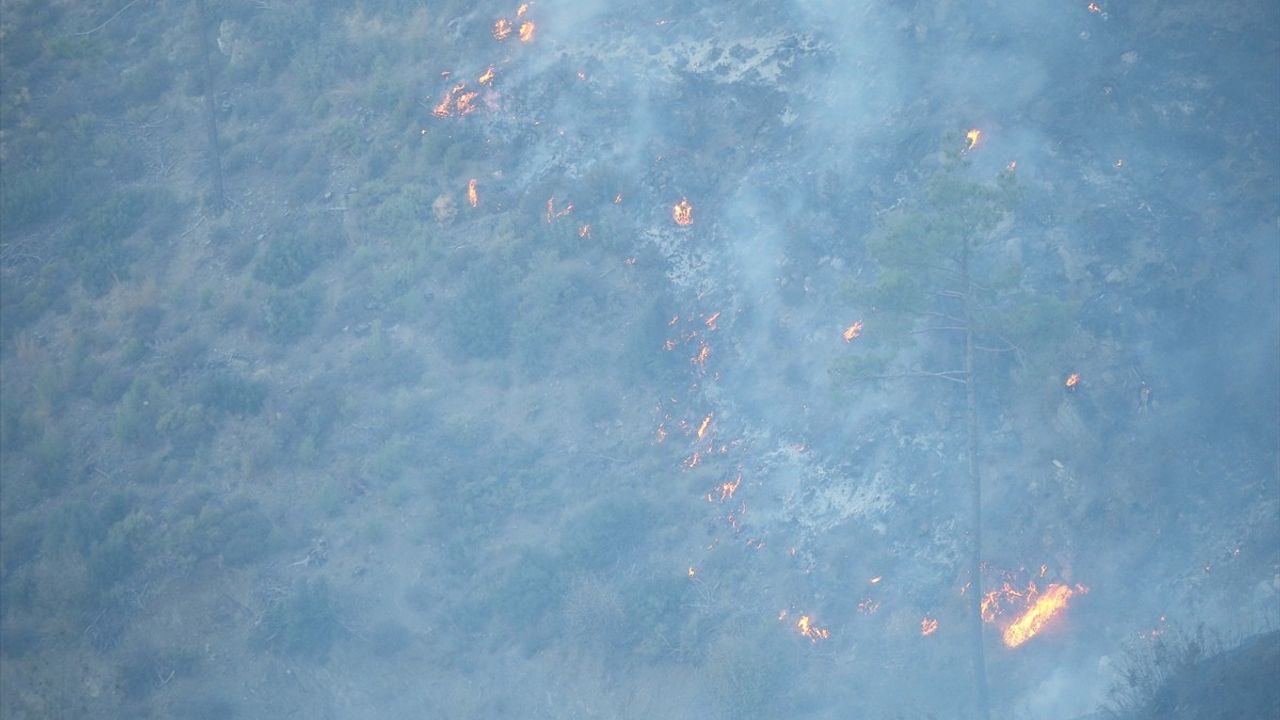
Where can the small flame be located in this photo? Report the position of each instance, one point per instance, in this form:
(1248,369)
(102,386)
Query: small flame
(682,212)
(876,580)
(553,214)
(853,331)
(704,352)
(706,422)
(617,199)
(526,31)
(464,105)
(1046,607)
(1119,163)
(471,193)
(442,109)
(727,489)
(487,77)
(692,571)
(806,628)
(1093,8)
(585,231)
(973,136)
(1072,381)
(502,29)
(711,321)
(928,626)
(524,8)
(1013,165)
(662,433)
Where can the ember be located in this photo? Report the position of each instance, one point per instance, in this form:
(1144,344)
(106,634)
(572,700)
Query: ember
(853,331)
(973,136)
(806,628)
(1072,381)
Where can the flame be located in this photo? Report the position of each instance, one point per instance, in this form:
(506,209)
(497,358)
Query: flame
(1119,163)
(617,199)
(711,321)
(973,136)
(581,75)
(526,31)
(1046,607)
(876,580)
(464,105)
(552,213)
(487,77)
(502,29)
(727,490)
(692,571)
(442,109)
(853,331)
(703,353)
(806,628)
(1013,165)
(524,8)
(928,626)
(706,421)
(682,212)
(662,433)
(585,231)
(1072,381)
(471,193)
(1093,8)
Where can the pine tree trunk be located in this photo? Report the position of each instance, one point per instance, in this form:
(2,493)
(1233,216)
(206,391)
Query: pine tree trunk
(974,593)
(210,113)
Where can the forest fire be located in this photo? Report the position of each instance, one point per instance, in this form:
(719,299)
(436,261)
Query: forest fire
(487,77)
(806,628)
(853,331)
(471,193)
(682,212)
(1046,607)
(1072,381)
(711,321)
(464,103)
(501,29)
(972,137)
(928,626)
(704,352)
(526,31)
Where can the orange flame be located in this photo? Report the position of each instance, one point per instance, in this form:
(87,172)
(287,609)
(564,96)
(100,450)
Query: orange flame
(442,109)
(853,331)
(471,193)
(502,29)
(703,353)
(526,31)
(928,626)
(727,490)
(524,8)
(706,421)
(973,136)
(1046,607)
(711,321)
(487,77)
(1072,381)
(682,212)
(806,628)
(464,105)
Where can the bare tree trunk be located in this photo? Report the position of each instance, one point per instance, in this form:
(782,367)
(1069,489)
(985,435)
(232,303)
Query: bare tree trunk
(210,112)
(974,593)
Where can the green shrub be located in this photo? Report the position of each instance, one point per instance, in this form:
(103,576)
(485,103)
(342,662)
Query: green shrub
(480,318)
(229,392)
(289,257)
(304,624)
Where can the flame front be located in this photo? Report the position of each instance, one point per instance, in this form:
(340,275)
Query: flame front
(706,422)
(487,77)
(853,331)
(682,212)
(524,8)
(1046,607)
(928,626)
(526,31)
(973,136)
(471,193)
